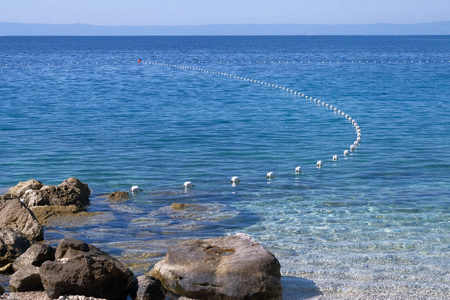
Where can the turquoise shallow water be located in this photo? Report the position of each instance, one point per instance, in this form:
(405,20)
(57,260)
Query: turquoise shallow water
(375,220)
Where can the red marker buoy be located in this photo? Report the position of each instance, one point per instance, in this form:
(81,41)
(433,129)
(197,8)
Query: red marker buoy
(139,61)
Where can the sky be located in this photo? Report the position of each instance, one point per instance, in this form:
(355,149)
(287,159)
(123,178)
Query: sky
(206,12)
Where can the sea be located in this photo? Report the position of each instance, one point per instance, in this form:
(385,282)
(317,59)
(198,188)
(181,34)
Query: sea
(156,112)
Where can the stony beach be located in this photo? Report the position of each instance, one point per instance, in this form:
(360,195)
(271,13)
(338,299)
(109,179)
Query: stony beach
(230,267)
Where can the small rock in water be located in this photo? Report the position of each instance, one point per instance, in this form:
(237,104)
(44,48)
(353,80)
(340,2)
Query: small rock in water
(119,196)
(179,206)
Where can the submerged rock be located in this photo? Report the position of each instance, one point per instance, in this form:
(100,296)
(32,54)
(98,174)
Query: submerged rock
(119,196)
(205,212)
(15,215)
(36,255)
(26,279)
(12,245)
(232,267)
(83,269)
(44,213)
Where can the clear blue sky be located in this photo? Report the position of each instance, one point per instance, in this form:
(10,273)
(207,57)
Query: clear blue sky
(202,12)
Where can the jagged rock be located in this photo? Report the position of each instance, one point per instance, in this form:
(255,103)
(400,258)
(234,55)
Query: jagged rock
(21,188)
(232,267)
(70,191)
(36,255)
(119,196)
(83,269)
(149,288)
(68,248)
(12,245)
(26,279)
(15,215)
(2,290)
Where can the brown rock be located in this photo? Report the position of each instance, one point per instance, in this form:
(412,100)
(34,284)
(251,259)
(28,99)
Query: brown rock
(70,192)
(119,196)
(179,206)
(69,248)
(14,214)
(19,190)
(149,288)
(26,279)
(232,267)
(12,245)
(36,255)
(44,213)
(83,269)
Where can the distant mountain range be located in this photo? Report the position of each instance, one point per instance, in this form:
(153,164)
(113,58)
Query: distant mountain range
(21,29)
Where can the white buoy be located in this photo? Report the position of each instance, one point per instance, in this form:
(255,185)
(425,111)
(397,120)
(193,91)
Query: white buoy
(335,157)
(352,148)
(235,179)
(298,170)
(358,139)
(355,143)
(270,175)
(319,164)
(335,109)
(187,185)
(134,189)
(346,152)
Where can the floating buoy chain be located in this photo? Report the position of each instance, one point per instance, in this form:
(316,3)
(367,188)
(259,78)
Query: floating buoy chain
(328,106)
(360,61)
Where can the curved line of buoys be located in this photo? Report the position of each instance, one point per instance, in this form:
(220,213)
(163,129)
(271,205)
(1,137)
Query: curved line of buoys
(320,163)
(270,175)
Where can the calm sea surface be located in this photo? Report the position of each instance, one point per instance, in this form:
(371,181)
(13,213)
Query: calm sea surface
(376,220)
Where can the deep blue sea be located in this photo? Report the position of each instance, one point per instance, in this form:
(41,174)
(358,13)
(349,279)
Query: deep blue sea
(205,109)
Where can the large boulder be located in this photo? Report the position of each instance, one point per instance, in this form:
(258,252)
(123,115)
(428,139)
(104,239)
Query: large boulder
(36,255)
(82,269)
(26,279)
(21,188)
(12,245)
(15,215)
(231,267)
(70,192)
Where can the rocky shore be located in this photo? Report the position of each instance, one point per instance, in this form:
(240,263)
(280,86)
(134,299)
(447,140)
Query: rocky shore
(231,267)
